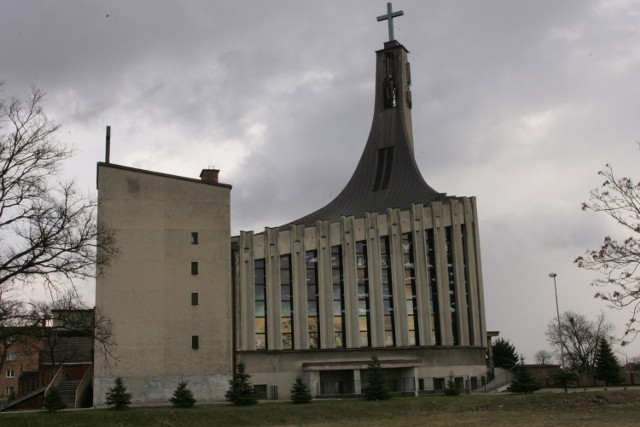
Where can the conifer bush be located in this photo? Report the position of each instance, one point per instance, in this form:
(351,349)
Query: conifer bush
(452,387)
(564,378)
(300,392)
(182,396)
(241,391)
(504,354)
(52,401)
(117,396)
(523,382)
(607,367)
(376,384)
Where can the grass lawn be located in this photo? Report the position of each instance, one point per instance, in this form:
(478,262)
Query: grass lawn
(619,408)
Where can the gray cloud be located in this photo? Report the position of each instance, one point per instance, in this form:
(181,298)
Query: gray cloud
(518,104)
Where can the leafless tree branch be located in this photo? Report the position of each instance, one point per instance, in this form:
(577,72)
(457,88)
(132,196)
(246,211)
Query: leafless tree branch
(49,234)
(618,262)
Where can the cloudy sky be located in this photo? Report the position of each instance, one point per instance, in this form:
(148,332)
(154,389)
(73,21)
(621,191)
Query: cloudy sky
(517,103)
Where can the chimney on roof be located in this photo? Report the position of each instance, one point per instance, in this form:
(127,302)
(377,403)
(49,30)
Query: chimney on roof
(210,175)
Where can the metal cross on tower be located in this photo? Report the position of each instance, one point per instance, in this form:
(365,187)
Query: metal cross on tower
(389,17)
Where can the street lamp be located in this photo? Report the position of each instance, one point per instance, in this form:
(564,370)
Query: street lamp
(555,289)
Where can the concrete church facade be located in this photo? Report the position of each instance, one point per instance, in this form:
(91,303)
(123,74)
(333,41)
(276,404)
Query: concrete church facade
(390,268)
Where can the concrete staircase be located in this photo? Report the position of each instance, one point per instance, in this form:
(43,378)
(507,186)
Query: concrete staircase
(67,391)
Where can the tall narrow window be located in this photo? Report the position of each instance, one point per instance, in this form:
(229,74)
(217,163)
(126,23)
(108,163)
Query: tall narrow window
(434,311)
(286,302)
(387,293)
(411,299)
(338,296)
(389,82)
(313,308)
(364,319)
(194,298)
(260,305)
(194,268)
(195,342)
(194,238)
(383,170)
(453,297)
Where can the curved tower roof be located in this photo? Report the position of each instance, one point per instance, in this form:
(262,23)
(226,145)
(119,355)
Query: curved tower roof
(387,175)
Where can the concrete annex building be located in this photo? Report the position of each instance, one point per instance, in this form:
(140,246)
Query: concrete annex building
(389,268)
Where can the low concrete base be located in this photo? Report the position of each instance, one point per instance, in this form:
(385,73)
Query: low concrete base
(158,390)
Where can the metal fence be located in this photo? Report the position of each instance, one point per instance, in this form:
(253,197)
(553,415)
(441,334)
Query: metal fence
(416,386)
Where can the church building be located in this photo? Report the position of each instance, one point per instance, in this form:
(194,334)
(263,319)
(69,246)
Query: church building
(390,268)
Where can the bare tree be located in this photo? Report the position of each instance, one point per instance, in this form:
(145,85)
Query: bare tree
(70,325)
(580,338)
(543,357)
(617,261)
(48,230)
(49,236)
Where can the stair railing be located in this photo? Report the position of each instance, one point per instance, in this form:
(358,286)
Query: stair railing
(87,378)
(55,382)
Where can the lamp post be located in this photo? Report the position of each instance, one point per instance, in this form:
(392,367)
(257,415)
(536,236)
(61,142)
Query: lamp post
(555,289)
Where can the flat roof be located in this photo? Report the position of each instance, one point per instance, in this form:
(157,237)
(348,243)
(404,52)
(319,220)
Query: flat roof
(165,175)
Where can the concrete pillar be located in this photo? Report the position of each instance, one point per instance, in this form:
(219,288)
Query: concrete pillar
(476,333)
(375,284)
(298,279)
(459,274)
(246,291)
(479,283)
(314,382)
(396,260)
(442,279)
(352,330)
(325,287)
(420,270)
(272,261)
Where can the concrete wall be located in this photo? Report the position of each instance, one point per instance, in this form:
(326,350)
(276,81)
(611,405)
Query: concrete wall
(147,289)
(159,389)
(281,368)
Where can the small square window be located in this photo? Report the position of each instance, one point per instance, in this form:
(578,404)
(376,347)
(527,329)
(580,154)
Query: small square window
(8,391)
(194,268)
(194,298)
(261,391)
(194,238)
(11,357)
(195,342)
(11,373)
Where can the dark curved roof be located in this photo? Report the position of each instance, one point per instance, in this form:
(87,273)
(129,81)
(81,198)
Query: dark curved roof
(387,175)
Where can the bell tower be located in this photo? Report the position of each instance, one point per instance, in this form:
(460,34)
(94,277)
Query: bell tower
(387,175)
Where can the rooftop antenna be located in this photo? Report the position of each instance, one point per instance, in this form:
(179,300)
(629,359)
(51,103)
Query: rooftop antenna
(107,153)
